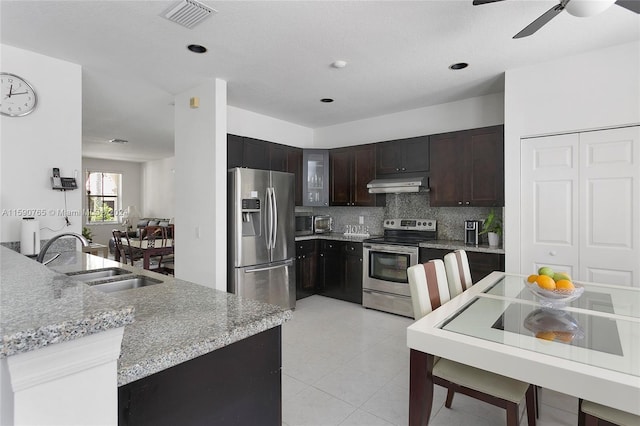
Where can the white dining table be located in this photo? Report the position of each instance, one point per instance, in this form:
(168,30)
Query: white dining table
(493,326)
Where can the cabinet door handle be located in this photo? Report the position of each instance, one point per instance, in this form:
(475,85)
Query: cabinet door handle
(459,202)
(404,169)
(553,253)
(397,169)
(466,202)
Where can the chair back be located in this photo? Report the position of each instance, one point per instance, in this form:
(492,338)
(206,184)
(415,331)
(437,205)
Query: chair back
(156,236)
(428,286)
(125,252)
(456,264)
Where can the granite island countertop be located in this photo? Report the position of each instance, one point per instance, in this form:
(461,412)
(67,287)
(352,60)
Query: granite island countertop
(175,321)
(39,307)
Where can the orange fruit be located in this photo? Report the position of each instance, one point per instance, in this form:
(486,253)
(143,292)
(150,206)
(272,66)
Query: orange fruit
(564,336)
(565,285)
(532,278)
(546,335)
(546,282)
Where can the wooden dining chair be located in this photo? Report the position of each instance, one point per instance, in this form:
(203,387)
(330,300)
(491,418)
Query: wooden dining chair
(592,414)
(456,264)
(156,236)
(429,290)
(127,252)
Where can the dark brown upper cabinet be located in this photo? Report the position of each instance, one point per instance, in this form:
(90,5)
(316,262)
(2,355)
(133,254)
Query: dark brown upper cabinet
(467,168)
(350,170)
(403,156)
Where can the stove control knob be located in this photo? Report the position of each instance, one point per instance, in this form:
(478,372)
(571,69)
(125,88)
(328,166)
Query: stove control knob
(429,224)
(393,222)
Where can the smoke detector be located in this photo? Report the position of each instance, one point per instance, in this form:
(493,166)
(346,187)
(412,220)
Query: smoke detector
(188,13)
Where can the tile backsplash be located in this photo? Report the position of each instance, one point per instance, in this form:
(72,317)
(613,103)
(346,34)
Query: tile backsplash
(450,220)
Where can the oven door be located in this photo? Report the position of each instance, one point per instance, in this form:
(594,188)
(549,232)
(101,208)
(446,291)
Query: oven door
(385,268)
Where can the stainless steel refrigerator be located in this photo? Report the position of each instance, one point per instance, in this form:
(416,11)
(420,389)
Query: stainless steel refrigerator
(261,236)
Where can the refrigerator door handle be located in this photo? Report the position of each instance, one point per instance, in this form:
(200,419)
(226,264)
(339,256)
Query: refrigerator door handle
(268,268)
(275,217)
(269,219)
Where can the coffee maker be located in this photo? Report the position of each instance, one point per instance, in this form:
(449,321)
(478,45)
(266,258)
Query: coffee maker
(472,230)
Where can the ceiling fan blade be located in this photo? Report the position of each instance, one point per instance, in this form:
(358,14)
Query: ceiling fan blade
(632,5)
(479,2)
(541,21)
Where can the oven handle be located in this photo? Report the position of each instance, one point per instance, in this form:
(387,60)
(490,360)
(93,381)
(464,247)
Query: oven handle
(392,249)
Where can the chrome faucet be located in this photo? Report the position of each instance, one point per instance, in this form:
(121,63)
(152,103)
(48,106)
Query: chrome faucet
(44,249)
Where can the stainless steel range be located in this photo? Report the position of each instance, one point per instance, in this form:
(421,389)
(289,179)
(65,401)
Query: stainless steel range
(386,259)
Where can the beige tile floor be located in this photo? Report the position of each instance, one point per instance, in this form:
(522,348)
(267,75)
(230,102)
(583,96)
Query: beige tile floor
(346,365)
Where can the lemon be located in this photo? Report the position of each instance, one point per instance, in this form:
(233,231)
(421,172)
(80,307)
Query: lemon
(546,282)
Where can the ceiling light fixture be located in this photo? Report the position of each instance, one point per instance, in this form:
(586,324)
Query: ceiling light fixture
(585,8)
(458,66)
(120,141)
(326,100)
(339,64)
(196,48)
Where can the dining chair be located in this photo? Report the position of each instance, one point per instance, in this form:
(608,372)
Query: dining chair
(127,253)
(429,290)
(456,264)
(592,414)
(157,236)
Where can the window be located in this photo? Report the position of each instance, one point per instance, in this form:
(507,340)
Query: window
(103,197)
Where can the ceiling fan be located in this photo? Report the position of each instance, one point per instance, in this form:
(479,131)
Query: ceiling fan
(580,8)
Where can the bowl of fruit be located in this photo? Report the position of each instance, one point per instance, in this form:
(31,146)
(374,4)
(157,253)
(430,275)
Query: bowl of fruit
(553,289)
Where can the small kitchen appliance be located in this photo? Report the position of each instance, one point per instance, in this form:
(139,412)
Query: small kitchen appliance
(304,224)
(472,230)
(385,284)
(322,224)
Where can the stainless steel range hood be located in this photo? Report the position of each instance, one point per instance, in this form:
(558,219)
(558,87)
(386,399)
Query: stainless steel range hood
(398,185)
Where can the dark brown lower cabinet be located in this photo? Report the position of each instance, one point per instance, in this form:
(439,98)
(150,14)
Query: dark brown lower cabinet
(341,270)
(306,268)
(481,264)
(239,384)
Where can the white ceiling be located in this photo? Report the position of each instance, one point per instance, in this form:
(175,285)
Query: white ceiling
(276,57)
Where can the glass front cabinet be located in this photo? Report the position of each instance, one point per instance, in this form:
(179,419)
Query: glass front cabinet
(315,181)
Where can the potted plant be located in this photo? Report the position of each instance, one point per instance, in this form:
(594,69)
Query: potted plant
(86,232)
(493,228)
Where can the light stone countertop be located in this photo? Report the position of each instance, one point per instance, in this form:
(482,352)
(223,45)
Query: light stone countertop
(440,244)
(175,321)
(39,307)
(335,236)
(456,245)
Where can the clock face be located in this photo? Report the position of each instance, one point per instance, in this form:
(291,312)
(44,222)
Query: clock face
(17,96)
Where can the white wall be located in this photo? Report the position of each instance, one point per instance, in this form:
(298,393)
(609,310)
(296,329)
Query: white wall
(200,180)
(30,146)
(158,181)
(594,90)
(246,123)
(466,114)
(131,190)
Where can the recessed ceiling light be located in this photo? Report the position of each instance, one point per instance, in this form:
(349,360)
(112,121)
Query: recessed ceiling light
(339,64)
(121,141)
(326,100)
(458,66)
(196,48)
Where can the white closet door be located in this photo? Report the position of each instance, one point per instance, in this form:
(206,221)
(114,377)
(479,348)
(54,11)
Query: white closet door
(610,206)
(549,203)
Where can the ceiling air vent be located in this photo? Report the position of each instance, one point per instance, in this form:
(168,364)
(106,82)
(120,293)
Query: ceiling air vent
(188,13)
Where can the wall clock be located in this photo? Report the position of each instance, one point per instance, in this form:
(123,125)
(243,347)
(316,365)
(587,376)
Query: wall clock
(18,96)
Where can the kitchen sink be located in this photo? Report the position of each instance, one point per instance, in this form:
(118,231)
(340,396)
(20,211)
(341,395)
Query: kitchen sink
(124,283)
(96,274)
